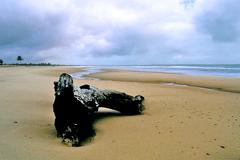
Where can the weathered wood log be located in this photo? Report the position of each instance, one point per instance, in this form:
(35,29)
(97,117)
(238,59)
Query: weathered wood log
(74,108)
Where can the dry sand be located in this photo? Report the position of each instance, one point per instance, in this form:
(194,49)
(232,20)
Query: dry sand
(180,122)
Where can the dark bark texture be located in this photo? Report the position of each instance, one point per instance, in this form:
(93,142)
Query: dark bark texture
(74,108)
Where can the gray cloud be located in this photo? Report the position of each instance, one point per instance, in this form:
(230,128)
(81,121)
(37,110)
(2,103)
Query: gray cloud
(220,21)
(25,27)
(120,32)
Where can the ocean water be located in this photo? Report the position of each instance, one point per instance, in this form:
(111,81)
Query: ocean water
(222,70)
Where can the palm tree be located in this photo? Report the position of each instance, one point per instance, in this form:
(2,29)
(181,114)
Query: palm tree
(1,62)
(19,58)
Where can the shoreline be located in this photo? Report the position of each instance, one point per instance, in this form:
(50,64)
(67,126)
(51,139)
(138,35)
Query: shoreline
(230,84)
(232,71)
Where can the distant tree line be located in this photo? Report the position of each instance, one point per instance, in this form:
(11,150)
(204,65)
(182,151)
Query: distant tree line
(20,59)
(37,64)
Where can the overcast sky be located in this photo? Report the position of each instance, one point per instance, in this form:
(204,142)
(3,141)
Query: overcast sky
(120,31)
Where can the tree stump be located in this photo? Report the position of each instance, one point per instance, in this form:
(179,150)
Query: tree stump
(74,108)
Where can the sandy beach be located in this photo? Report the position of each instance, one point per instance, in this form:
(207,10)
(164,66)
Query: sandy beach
(186,117)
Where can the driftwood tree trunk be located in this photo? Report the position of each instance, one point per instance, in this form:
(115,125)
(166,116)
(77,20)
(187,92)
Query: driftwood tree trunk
(74,108)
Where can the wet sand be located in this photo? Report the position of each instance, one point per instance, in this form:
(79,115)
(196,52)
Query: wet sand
(180,122)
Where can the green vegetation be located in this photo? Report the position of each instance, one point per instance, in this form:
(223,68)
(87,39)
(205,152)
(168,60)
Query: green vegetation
(36,64)
(19,58)
(1,62)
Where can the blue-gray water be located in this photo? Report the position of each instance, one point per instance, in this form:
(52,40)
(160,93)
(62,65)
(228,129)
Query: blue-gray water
(223,70)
